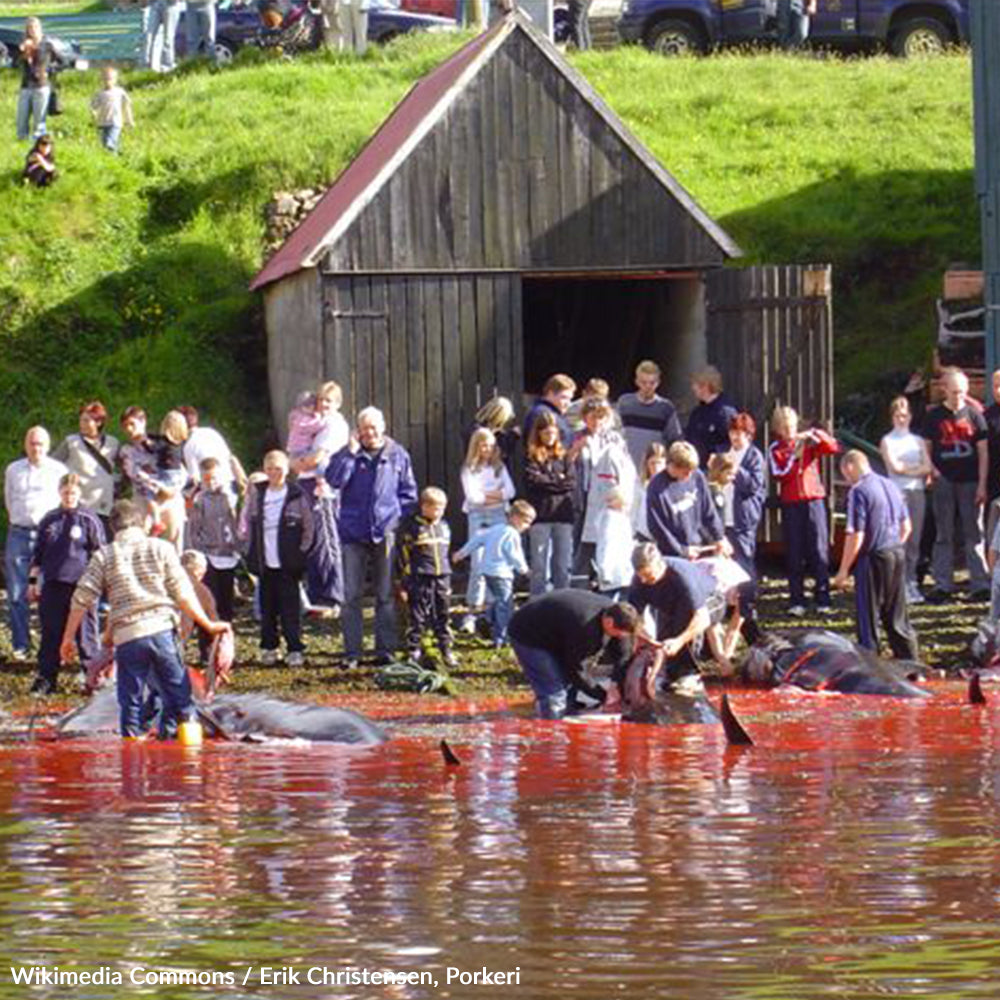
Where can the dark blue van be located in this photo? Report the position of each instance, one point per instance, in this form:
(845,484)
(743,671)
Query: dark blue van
(905,27)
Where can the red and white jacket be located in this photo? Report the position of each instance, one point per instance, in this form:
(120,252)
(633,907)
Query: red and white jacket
(798,477)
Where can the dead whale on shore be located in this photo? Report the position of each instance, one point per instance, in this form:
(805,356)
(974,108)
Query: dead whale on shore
(667,701)
(241,717)
(816,660)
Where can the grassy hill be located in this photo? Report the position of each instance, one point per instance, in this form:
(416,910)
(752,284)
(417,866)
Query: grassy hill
(127,280)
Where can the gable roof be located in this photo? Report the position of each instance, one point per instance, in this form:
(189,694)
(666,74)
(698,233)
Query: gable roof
(414,116)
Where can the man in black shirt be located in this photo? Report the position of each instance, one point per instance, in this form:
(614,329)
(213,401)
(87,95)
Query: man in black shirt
(682,598)
(555,634)
(955,438)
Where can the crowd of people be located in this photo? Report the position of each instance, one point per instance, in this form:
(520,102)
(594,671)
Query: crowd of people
(636,526)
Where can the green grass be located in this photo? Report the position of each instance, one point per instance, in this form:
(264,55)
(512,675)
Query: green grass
(127,280)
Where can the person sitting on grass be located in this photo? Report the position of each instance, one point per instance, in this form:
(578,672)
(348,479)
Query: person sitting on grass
(40,165)
(503,558)
(425,574)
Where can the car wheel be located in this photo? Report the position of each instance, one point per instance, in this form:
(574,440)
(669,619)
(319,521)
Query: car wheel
(920,36)
(675,38)
(224,52)
(5,59)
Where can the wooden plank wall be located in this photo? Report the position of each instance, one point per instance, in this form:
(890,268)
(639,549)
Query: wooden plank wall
(770,334)
(984,24)
(522,173)
(428,351)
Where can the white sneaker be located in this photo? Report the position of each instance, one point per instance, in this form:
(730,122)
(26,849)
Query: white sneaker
(913,595)
(295,659)
(797,611)
(467,625)
(20,656)
(269,657)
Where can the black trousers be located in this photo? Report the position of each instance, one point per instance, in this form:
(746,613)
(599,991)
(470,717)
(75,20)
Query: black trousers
(222,584)
(53,610)
(279,601)
(429,604)
(880,597)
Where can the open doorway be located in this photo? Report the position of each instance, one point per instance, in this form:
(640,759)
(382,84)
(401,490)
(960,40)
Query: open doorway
(604,326)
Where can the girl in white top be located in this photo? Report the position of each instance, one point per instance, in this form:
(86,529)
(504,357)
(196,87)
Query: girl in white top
(906,463)
(655,461)
(613,558)
(488,490)
(604,463)
(329,435)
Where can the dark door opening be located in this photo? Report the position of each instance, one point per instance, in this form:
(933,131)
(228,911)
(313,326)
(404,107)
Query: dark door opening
(603,327)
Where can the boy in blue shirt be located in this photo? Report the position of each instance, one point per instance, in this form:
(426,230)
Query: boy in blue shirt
(503,557)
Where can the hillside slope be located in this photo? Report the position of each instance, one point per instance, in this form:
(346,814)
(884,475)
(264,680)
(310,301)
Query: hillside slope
(127,280)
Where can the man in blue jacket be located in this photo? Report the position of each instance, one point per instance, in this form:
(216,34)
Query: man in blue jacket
(374,476)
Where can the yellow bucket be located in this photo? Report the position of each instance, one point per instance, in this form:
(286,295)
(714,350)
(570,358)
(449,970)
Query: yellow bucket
(190,734)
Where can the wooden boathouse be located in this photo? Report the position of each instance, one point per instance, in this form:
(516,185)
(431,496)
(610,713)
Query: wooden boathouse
(503,224)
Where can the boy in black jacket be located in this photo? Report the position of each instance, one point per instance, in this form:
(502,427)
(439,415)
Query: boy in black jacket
(279,533)
(67,537)
(425,573)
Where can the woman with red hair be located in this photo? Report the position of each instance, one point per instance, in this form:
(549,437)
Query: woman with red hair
(92,455)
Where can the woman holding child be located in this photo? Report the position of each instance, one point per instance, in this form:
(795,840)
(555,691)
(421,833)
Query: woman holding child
(317,430)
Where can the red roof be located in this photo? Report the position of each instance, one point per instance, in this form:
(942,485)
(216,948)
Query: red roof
(373,158)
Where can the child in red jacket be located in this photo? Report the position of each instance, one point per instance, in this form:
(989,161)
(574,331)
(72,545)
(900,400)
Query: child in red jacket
(794,459)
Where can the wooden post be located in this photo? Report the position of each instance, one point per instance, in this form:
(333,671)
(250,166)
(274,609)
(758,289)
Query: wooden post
(984,22)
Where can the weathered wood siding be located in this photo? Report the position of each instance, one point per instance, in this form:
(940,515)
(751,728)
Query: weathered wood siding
(522,173)
(293,318)
(428,351)
(770,334)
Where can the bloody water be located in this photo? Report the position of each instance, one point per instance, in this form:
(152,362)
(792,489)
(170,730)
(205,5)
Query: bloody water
(853,852)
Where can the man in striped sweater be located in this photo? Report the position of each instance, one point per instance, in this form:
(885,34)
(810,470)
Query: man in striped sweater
(646,416)
(147,588)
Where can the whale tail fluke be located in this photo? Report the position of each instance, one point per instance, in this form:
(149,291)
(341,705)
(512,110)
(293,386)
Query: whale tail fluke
(976,696)
(449,755)
(736,735)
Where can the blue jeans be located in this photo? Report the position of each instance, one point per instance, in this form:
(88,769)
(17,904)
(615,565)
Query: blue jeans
(200,29)
(543,672)
(155,655)
(32,103)
(793,24)
(16,562)
(110,136)
(357,556)
(160,26)
(475,593)
(551,547)
(501,589)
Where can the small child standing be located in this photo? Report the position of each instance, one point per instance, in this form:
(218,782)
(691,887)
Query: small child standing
(503,557)
(279,533)
(613,559)
(425,574)
(212,530)
(112,109)
(196,565)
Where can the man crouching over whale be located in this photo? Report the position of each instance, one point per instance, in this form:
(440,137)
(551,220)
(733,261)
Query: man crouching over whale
(558,638)
(146,586)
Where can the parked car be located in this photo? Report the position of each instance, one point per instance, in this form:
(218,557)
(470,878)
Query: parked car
(905,27)
(67,53)
(239,23)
